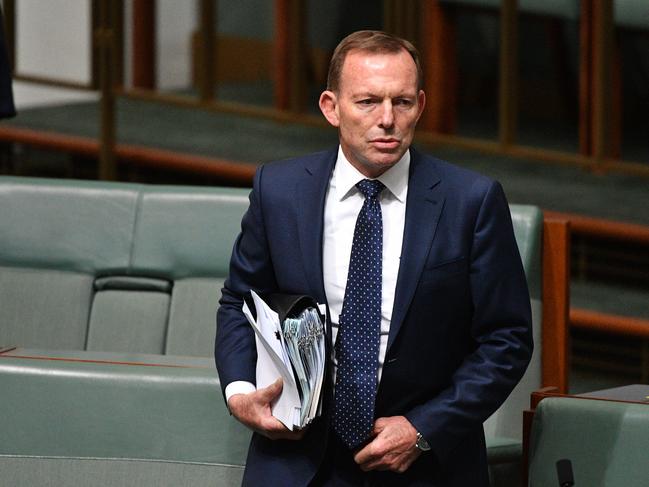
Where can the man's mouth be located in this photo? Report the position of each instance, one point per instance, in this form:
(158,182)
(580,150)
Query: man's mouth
(385,143)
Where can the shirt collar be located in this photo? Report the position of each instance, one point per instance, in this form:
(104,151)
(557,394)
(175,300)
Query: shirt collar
(395,179)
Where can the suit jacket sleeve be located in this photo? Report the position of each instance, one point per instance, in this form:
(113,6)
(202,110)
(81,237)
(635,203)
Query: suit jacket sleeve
(500,329)
(250,268)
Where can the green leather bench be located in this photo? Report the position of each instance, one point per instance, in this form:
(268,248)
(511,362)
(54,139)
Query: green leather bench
(100,418)
(606,442)
(137,269)
(114,266)
(503,429)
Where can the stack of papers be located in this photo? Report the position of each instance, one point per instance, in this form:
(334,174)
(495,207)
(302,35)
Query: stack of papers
(295,351)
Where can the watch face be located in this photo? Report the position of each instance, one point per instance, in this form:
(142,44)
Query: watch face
(422,444)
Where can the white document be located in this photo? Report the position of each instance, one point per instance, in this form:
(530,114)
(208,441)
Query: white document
(272,362)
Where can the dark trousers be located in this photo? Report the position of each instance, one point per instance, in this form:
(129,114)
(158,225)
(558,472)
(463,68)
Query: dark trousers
(338,468)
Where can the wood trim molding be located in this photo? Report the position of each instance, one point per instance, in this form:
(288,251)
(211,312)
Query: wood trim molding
(599,227)
(594,320)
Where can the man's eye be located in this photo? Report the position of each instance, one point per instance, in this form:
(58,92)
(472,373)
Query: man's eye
(367,101)
(403,102)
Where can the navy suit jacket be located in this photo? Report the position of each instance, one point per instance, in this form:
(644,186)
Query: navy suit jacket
(460,334)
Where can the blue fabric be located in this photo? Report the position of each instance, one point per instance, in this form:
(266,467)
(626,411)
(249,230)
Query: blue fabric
(460,332)
(357,346)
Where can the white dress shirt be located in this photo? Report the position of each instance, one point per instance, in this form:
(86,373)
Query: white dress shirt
(342,205)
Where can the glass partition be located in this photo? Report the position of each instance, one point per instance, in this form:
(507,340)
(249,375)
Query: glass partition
(630,79)
(548,75)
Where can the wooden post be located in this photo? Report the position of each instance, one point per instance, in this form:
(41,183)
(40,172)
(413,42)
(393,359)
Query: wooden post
(439,60)
(602,49)
(556,302)
(585,77)
(206,79)
(508,85)
(289,54)
(118,43)
(104,41)
(144,44)
(401,18)
(9,15)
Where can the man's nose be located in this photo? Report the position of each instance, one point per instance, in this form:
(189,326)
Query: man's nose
(387,115)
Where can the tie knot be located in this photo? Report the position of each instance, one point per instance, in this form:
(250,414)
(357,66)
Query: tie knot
(370,188)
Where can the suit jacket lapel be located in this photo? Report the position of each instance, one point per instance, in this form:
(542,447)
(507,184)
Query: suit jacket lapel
(312,191)
(423,209)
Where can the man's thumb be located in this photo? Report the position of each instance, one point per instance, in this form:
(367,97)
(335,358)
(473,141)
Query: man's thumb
(273,390)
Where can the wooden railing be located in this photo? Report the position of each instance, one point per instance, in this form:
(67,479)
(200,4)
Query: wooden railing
(614,232)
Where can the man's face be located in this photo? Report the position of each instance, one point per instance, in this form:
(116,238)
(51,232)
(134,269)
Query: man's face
(375,108)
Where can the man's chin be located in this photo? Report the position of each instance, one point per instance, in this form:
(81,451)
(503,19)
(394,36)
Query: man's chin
(377,166)
(387,158)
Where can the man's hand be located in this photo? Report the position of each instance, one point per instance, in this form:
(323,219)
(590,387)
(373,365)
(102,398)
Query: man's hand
(392,448)
(253,410)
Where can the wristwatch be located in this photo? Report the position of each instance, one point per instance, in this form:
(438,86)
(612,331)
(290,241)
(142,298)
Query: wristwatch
(421,443)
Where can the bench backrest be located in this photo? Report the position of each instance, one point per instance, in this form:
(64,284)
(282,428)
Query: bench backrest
(114,266)
(508,420)
(605,441)
(96,405)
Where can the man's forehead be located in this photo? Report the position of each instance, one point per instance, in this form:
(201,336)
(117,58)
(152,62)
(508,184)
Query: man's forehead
(375,61)
(362,54)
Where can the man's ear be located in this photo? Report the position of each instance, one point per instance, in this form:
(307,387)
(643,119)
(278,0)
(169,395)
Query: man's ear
(329,107)
(421,102)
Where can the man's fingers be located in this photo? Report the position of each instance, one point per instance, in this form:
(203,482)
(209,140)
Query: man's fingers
(275,430)
(379,425)
(268,394)
(391,448)
(253,410)
(362,455)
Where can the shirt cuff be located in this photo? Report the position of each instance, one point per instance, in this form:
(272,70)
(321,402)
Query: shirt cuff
(238,387)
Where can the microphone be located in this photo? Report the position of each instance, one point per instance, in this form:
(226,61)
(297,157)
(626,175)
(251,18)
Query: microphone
(564,473)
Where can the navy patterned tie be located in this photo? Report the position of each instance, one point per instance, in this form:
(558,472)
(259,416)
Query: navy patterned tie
(357,344)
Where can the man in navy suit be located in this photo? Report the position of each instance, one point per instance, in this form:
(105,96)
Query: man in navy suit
(450,314)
